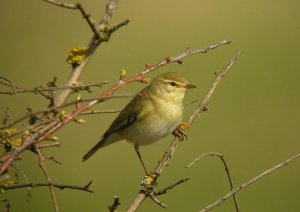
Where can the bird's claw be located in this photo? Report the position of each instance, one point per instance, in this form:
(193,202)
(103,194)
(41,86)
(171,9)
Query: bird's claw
(181,131)
(148,184)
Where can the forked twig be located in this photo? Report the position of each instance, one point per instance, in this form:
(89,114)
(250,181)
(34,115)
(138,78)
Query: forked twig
(226,169)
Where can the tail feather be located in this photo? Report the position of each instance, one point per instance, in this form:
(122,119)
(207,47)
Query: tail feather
(94,149)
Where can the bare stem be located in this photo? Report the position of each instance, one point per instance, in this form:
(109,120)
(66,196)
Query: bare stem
(62,4)
(43,167)
(157,201)
(164,190)
(60,186)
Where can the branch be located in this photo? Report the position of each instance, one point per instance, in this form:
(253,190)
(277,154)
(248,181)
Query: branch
(92,46)
(16,89)
(169,153)
(115,205)
(226,169)
(164,190)
(62,4)
(43,167)
(18,170)
(52,144)
(253,180)
(89,20)
(52,109)
(100,112)
(9,84)
(157,201)
(57,124)
(60,186)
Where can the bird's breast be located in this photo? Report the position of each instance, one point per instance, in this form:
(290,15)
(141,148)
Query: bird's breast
(159,120)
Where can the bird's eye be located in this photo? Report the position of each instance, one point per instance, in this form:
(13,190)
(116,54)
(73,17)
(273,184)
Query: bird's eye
(173,83)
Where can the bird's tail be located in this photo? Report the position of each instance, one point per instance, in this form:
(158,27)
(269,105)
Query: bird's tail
(94,149)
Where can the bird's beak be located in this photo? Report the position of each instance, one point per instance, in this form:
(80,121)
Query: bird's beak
(189,86)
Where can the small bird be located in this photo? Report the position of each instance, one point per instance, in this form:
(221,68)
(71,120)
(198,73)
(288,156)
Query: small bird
(152,114)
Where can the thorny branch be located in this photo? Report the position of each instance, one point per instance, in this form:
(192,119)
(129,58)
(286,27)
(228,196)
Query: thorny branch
(52,127)
(169,153)
(60,186)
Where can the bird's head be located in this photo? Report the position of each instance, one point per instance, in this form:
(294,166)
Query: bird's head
(170,86)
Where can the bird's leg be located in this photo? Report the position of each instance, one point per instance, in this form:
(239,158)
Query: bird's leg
(181,131)
(136,148)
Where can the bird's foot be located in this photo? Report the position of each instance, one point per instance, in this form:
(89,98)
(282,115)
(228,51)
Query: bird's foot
(181,131)
(148,184)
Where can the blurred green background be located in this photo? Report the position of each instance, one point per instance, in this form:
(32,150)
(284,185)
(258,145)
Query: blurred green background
(253,119)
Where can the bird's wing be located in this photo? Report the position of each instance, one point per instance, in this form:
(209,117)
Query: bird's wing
(129,115)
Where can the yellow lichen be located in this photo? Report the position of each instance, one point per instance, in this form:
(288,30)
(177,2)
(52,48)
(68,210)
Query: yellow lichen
(77,55)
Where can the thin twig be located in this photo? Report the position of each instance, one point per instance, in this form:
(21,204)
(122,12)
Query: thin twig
(115,205)
(99,112)
(253,180)
(169,153)
(56,125)
(60,186)
(53,159)
(51,109)
(226,169)
(18,170)
(44,169)
(191,102)
(62,4)
(164,190)
(89,20)
(157,201)
(52,144)
(11,85)
(41,89)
